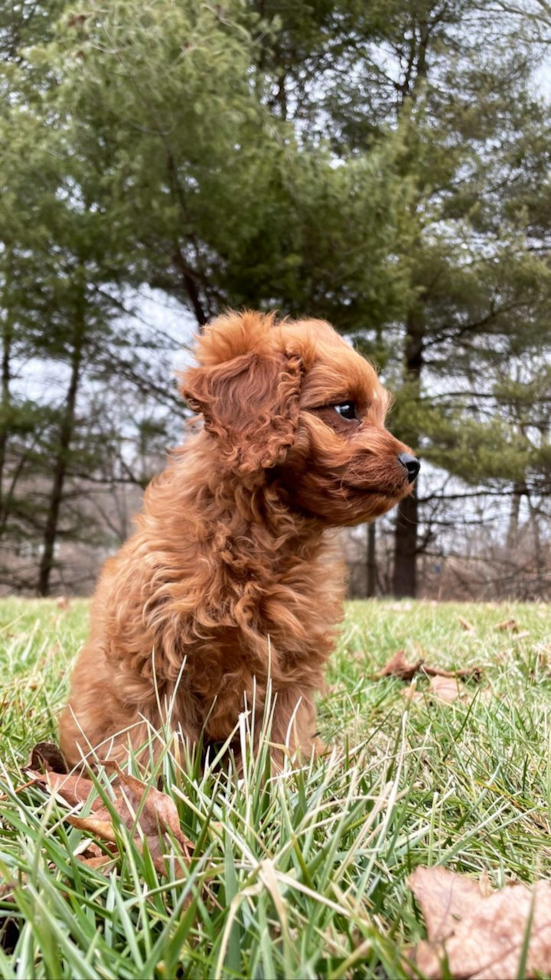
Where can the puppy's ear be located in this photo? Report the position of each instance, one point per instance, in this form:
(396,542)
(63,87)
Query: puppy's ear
(247,388)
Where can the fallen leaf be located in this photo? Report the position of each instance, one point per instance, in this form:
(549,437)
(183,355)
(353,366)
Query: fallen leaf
(508,624)
(97,863)
(397,667)
(464,623)
(156,804)
(442,688)
(74,790)
(62,602)
(47,755)
(444,898)
(95,825)
(93,856)
(158,817)
(474,672)
(89,849)
(476,935)
(521,636)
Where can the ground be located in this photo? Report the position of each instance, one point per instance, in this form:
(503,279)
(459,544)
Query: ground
(304,875)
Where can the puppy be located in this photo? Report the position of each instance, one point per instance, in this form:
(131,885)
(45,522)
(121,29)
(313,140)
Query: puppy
(231,577)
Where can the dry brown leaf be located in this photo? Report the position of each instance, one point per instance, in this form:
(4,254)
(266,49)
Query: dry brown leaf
(73,789)
(444,898)
(158,816)
(474,672)
(47,755)
(397,667)
(444,688)
(62,602)
(91,850)
(508,624)
(93,825)
(95,857)
(464,623)
(157,806)
(98,863)
(480,936)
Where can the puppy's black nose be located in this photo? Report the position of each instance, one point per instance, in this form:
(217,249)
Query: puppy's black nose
(411,464)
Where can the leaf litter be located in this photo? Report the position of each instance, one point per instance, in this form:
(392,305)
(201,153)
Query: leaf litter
(47,755)
(148,813)
(397,666)
(508,625)
(476,933)
(443,684)
(444,688)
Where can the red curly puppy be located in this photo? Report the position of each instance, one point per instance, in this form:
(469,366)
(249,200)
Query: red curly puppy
(232,567)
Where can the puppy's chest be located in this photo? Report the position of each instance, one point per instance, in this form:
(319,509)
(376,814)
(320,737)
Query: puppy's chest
(273,621)
(276,633)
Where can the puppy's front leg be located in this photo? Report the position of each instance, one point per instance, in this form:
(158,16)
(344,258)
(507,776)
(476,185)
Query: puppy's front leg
(293,724)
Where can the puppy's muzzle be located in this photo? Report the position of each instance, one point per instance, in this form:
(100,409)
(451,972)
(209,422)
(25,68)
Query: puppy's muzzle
(411,464)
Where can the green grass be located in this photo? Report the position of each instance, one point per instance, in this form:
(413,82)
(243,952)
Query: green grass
(302,875)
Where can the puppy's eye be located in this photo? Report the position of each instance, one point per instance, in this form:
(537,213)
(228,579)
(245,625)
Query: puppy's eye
(347,410)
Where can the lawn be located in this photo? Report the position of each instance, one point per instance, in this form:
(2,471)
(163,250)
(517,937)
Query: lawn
(305,874)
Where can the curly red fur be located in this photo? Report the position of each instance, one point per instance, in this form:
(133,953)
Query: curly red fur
(231,577)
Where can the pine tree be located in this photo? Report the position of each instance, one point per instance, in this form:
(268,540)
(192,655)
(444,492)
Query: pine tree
(451,87)
(381,164)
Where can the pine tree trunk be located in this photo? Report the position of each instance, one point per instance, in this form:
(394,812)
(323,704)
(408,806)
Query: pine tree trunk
(5,396)
(405,540)
(405,548)
(60,464)
(539,588)
(519,488)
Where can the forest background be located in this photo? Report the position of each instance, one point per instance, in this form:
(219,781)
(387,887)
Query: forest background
(384,164)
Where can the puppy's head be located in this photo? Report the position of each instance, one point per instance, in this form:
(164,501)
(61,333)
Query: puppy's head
(293,402)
